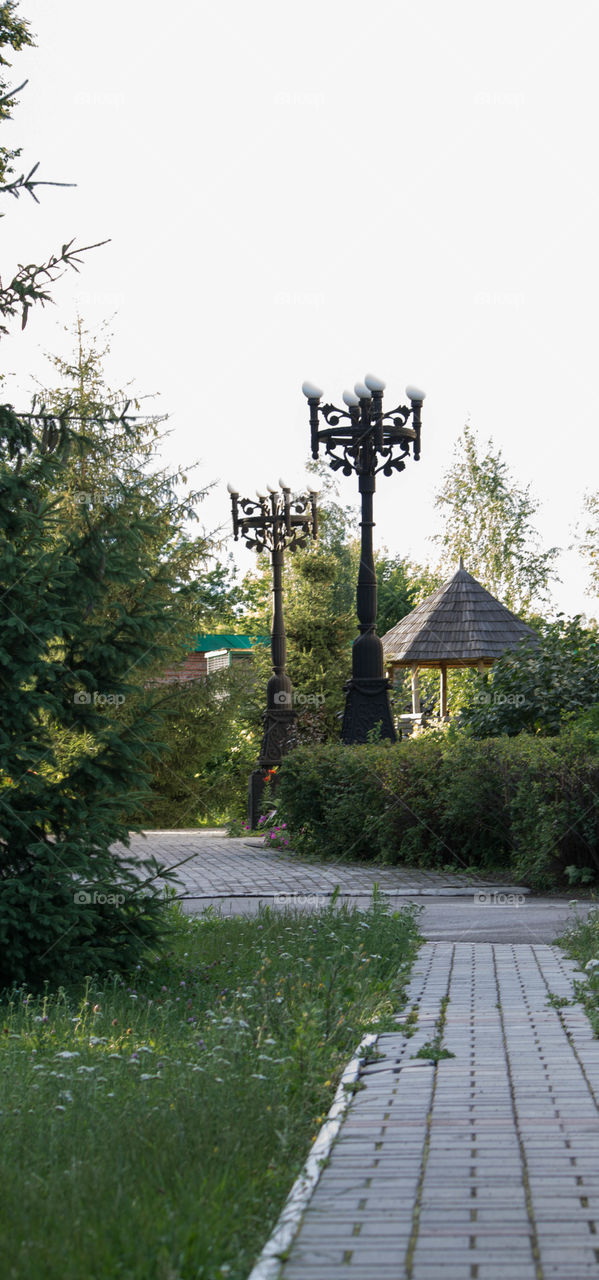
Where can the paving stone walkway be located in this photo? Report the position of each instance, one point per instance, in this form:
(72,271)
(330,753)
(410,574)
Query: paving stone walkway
(211,866)
(483,1166)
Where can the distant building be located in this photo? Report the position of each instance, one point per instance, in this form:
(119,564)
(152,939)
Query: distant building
(212,653)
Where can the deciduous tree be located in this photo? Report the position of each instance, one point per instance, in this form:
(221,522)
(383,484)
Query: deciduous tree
(489,521)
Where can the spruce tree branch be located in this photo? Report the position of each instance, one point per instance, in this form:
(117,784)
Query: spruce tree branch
(28,183)
(30,284)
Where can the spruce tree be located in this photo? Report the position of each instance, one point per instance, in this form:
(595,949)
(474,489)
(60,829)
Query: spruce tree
(95,599)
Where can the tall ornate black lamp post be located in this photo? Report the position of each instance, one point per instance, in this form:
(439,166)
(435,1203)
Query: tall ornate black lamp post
(366,439)
(274,523)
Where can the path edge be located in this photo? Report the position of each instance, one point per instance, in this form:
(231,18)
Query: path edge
(269,1263)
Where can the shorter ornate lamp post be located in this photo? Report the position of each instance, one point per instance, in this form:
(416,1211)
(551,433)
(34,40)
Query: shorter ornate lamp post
(365,439)
(274,523)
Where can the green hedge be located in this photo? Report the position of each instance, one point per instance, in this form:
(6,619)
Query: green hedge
(528,805)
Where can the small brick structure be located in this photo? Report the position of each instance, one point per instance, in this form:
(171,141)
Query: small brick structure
(213,653)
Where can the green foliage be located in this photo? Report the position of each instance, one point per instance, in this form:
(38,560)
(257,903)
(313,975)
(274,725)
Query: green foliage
(199,1087)
(590,545)
(525,804)
(537,687)
(581,942)
(209,751)
(30,283)
(488,521)
(218,601)
(57,823)
(14,34)
(94,601)
(396,591)
(319,638)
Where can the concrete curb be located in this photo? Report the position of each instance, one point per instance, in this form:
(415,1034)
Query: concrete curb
(462,891)
(269,1263)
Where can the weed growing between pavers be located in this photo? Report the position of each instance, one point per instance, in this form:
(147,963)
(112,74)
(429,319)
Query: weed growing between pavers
(433,1049)
(154,1130)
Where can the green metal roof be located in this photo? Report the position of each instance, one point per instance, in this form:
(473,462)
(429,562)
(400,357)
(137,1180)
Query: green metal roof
(205,644)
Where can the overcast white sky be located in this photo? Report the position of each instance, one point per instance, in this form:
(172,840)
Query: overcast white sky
(320,190)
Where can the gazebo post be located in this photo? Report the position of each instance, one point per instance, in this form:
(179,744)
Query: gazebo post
(444,691)
(415,689)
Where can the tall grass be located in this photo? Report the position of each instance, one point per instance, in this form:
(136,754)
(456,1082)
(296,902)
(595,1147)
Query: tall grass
(581,942)
(152,1131)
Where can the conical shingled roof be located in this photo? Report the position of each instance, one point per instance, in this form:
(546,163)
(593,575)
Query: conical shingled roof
(459,624)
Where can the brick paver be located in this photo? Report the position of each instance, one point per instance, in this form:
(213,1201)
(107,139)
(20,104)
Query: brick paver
(214,866)
(481,1166)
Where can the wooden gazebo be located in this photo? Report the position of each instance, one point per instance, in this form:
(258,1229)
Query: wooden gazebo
(459,625)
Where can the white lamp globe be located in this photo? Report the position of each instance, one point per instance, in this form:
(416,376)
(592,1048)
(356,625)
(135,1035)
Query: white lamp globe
(373,383)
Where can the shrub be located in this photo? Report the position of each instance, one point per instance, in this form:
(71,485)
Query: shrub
(526,804)
(536,687)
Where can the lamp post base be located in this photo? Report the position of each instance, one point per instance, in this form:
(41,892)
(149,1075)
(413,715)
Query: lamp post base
(366,706)
(256,784)
(279,723)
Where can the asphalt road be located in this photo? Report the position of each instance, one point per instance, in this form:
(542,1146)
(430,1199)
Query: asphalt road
(466,920)
(447,919)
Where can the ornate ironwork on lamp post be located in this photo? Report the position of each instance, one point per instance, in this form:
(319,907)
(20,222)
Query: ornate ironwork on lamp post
(275,523)
(366,439)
